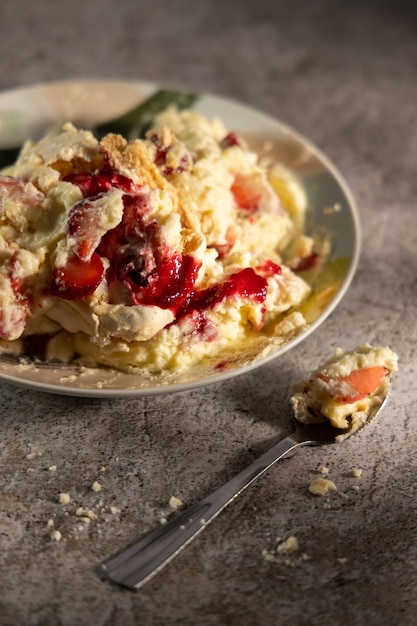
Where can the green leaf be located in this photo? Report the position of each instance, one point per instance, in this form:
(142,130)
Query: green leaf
(136,122)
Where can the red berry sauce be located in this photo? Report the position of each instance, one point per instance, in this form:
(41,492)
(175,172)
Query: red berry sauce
(306,263)
(268,268)
(94,184)
(161,157)
(144,271)
(245,283)
(230,140)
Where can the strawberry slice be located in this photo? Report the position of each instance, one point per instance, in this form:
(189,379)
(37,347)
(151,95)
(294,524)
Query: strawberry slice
(24,195)
(362,382)
(82,220)
(13,321)
(77,278)
(84,227)
(90,219)
(247,193)
(252,194)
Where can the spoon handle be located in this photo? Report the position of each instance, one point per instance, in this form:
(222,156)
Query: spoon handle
(134,566)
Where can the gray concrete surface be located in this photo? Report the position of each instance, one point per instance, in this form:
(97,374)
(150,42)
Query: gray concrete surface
(344,74)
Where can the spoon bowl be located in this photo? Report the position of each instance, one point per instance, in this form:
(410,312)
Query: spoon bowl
(137,564)
(323,432)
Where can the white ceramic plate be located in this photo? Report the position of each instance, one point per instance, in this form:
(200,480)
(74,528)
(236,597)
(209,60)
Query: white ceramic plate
(28,112)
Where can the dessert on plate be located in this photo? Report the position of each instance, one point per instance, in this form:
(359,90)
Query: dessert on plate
(155,253)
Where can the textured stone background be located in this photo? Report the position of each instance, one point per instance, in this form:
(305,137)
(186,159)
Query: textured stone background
(344,74)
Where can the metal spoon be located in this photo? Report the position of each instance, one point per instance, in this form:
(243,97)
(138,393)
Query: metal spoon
(134,566)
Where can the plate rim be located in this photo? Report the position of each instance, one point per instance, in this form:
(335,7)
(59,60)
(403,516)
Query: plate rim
(163,389)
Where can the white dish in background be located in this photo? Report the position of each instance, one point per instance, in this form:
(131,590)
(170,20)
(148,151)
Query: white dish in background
(28,112)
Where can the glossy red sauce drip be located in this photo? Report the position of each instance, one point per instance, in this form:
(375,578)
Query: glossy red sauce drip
(245,283)
(175,281)
(140,267)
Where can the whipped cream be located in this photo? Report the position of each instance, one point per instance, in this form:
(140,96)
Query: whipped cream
(154,254)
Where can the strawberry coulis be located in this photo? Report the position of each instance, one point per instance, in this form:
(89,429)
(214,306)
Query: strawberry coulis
(142,271)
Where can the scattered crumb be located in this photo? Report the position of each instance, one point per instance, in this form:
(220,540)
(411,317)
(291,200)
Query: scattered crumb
(68,379)
(163,521)
(30,470)
(175,503)
(79,517)
(269,556)
(56,535)
(321,486)
(114,510)
(35,451)
(342,560)
(288,546)
(86,513)
(283,550)
(64,498)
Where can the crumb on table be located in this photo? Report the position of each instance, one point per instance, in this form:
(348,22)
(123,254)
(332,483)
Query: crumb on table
(321,486)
